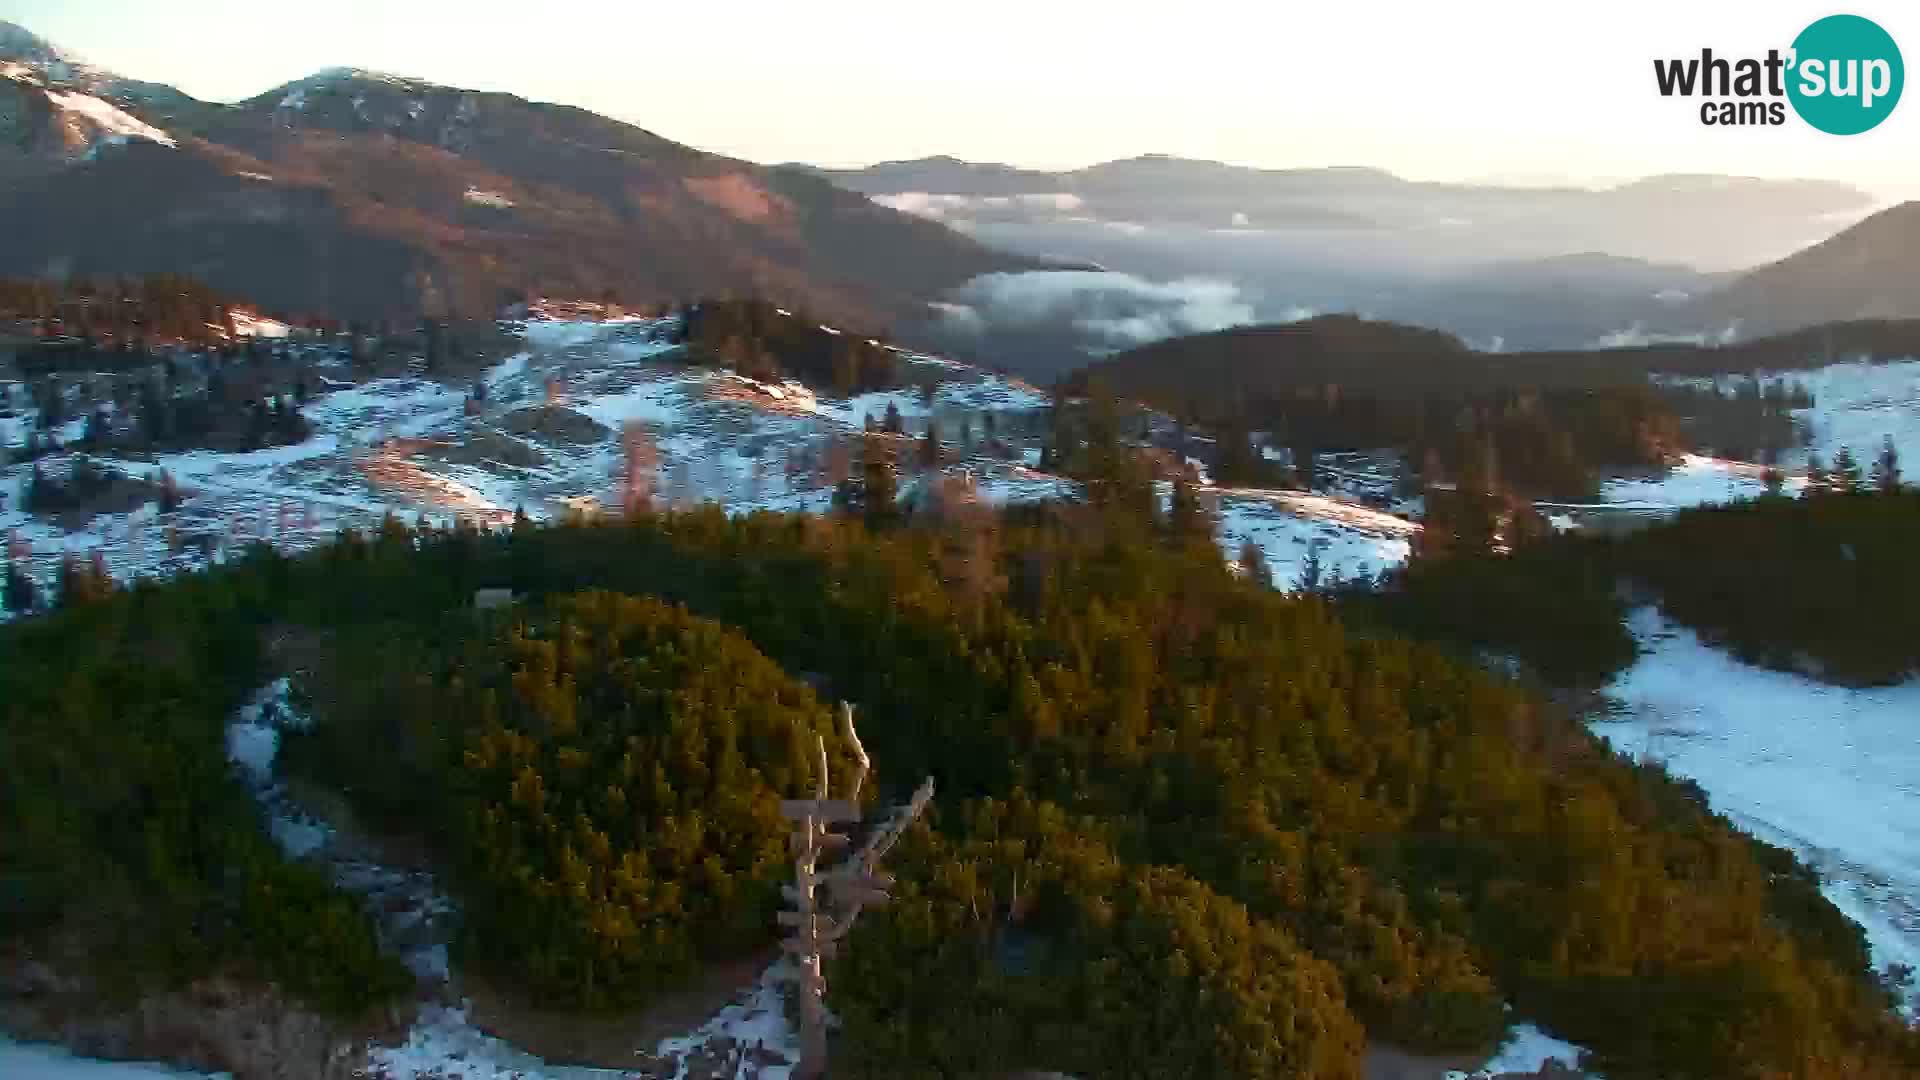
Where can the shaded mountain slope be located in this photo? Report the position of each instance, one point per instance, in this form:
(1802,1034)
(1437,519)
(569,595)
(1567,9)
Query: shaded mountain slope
(391,196)
(1870,271)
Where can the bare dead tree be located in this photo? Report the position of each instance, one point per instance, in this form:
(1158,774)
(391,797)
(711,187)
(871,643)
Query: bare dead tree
(642,468)
(827,902)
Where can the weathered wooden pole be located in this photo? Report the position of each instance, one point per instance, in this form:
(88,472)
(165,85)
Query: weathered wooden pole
(826,903)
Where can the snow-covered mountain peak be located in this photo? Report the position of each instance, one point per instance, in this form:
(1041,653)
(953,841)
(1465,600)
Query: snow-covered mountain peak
(358,74)
(337,78)
(27,57)
(361,97)
(20,47)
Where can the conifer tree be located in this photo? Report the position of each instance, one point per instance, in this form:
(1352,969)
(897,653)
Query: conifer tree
(1313,569)
(1886,469)
(83,582)
(21,596)
(39,491)
(1185,517)
(98,426)
(169,492)
(259,422)
(930,447)
(1253,562)
(871,492)
(1772,479)
(893,424)
(880,483)
(1846,472)
(394,531)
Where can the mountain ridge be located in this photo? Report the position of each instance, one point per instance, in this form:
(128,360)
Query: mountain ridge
(1870,270)
(399,196)
(879,176)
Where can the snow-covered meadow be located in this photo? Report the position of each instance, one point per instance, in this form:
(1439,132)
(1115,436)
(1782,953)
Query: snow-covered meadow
(1829,772)
(1294,529)
(1857,405)
(419,448)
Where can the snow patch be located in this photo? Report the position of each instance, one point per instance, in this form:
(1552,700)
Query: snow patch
(855,411)
(1696,481)
(444,1044)
(480,197)
(107,118)
(1832,773)
(758,1021)
(1292,528)
(1527,1049)
(248,324)
(656,401)
(38,1061)
(1857,405)
(1001,484)
(253,742)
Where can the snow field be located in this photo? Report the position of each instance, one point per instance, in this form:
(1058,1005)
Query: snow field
(1829,772)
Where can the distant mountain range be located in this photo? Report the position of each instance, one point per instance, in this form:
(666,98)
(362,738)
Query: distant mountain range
(1676,218)
(366,195)
(1505,268)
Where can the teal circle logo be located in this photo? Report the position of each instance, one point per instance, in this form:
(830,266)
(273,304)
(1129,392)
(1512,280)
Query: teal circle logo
(1846,75)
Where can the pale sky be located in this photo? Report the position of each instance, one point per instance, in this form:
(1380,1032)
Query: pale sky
(1457,90)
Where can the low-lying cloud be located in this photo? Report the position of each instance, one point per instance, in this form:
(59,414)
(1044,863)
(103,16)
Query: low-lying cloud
(1638,336)
(1105,311)
(956,208)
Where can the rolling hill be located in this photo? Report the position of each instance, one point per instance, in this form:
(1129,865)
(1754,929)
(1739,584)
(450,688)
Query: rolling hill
(1229,369)
(1870,271)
